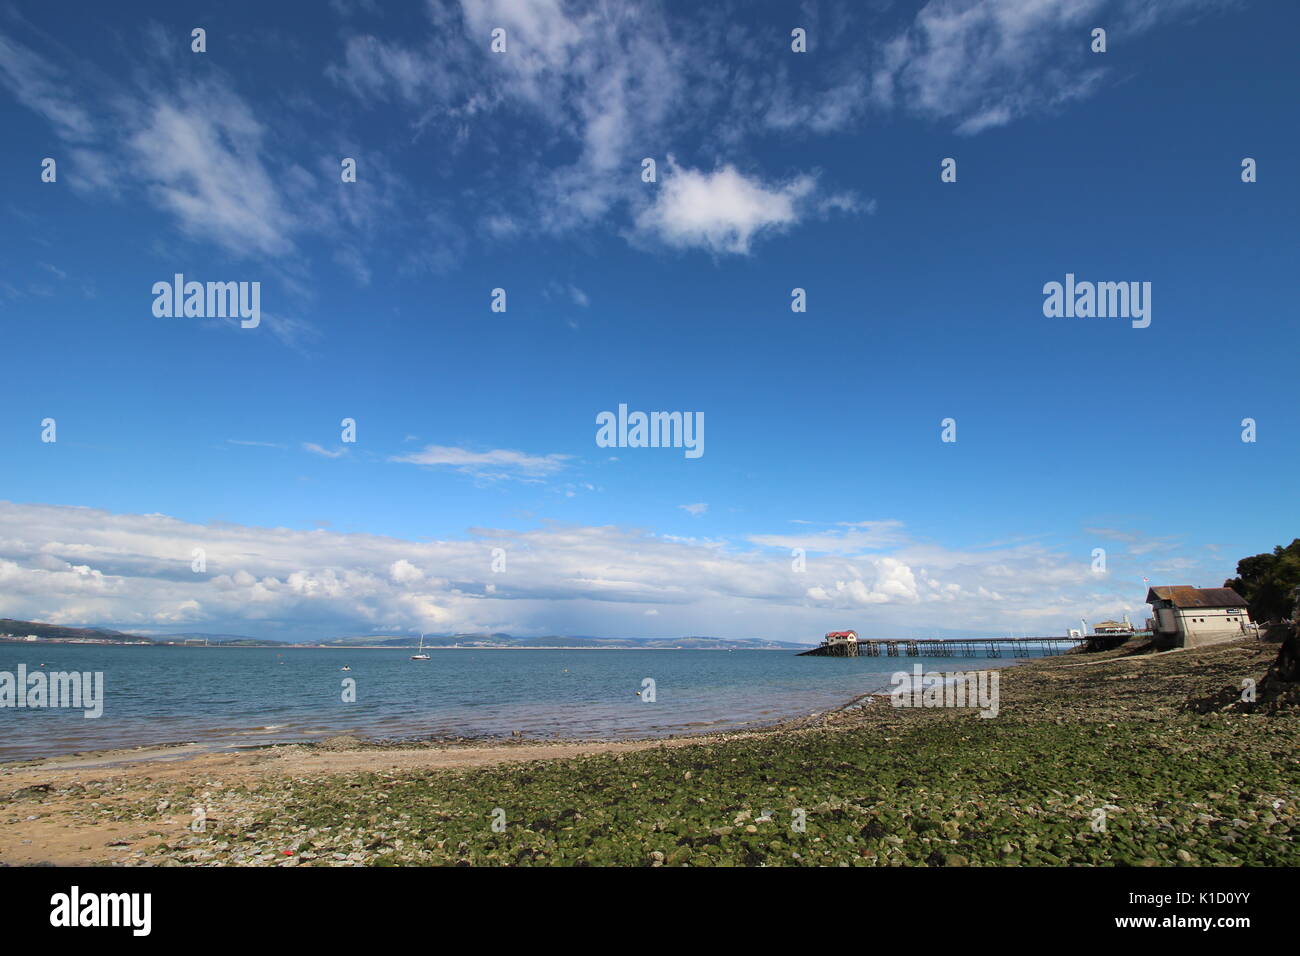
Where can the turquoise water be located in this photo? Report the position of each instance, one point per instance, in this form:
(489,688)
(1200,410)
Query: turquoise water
(227,697)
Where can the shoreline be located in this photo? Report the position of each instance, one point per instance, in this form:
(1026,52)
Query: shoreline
(177,750)
(224,744)
(189,749)
(1161,738)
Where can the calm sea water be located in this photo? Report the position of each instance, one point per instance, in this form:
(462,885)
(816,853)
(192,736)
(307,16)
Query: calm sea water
(233,697)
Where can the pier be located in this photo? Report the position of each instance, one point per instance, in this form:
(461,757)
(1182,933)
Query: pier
(953,647)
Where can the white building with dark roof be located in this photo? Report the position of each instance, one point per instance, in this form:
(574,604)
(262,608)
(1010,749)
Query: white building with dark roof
(1192,617)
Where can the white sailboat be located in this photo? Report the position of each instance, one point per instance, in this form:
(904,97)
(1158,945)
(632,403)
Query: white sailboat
(421,656)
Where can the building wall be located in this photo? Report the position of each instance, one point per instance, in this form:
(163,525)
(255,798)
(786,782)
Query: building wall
(1211,625)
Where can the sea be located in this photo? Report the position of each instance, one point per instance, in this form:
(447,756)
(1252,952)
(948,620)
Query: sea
(240,697)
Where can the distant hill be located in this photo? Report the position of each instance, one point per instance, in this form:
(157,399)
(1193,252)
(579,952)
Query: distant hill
(558,640)
(57,632)
(236,640)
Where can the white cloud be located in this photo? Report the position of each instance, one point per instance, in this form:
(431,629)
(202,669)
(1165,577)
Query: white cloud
(199,152)
(316,449)
(824,111)
(219,169)
(601,78)
(856,536)
(375,68)
(486,463)
(606,85)
(586,91)
(696,509)
(985,63)
(721,211)
(404,572)
(43,88)
(88,566)
(561,290)
(890,581)
(610,84)
(609,73)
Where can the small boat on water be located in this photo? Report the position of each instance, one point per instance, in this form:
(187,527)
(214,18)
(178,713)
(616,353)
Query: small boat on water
(421,656)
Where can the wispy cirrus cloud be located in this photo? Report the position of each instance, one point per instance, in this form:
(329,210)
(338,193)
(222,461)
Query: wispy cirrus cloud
(199,150)
(194,146)
(844,538)
(980,64)
(585,91)
(44,88)
(1137,543)
(612,82)
(323,452)
(219,164)
(608,84)
(498,462)
(254,444)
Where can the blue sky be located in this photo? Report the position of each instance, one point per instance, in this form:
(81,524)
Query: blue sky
(522,170)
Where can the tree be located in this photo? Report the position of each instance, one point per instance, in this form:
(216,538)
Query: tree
(1268,582)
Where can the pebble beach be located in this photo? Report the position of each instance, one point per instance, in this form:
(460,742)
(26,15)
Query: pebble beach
(1121,758)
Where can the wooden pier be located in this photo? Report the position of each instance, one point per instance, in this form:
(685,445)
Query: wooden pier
(948,647)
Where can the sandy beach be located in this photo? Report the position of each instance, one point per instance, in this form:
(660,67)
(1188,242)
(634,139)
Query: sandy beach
(1184,770)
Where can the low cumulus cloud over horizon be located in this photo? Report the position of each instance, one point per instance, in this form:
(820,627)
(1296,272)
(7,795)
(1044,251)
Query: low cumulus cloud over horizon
(88,567)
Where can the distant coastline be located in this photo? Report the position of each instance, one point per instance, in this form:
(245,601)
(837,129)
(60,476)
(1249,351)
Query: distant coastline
(37,632)
(19,642)
(391,647)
